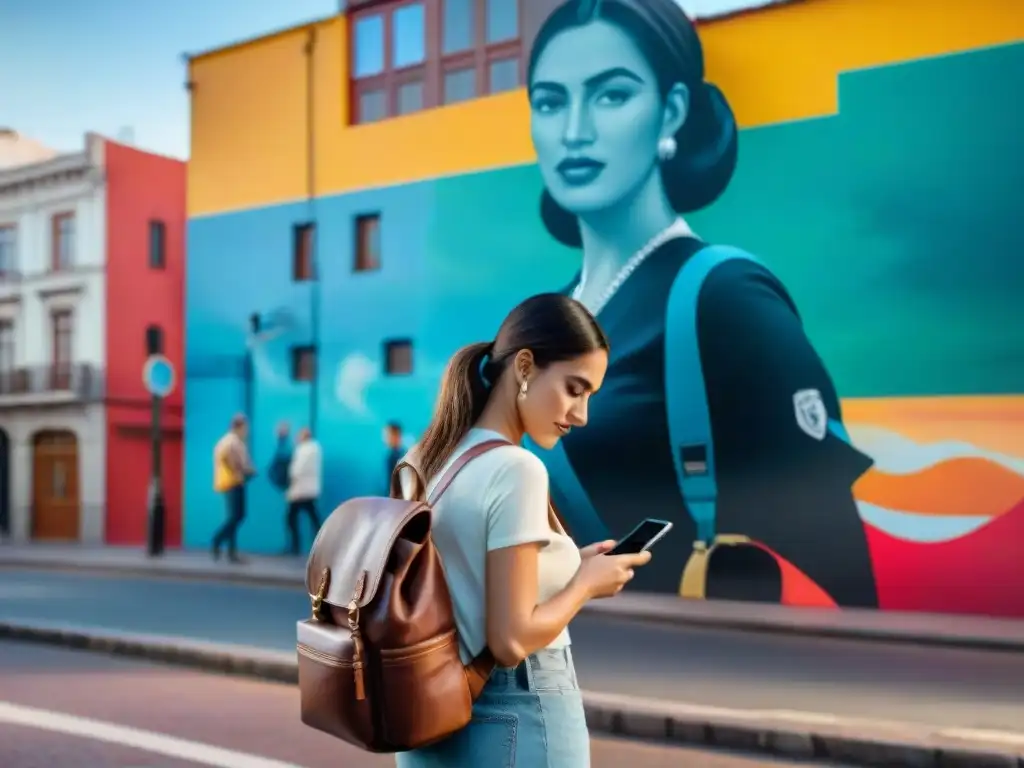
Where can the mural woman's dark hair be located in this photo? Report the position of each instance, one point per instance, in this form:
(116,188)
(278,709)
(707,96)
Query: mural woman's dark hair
(706,144)
(553,327)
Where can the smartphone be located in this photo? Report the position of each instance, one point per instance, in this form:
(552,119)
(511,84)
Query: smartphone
(642,538)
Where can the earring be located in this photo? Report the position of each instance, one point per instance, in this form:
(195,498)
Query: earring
(666,148)
(522,391)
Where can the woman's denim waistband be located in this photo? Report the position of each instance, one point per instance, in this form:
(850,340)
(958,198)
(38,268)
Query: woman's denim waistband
(548,670)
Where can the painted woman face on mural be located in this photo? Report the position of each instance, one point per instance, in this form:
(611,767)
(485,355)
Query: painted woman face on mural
(621,117)
(597,117)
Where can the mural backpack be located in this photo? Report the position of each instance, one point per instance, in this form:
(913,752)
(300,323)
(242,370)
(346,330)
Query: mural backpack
(379,663)
(691,437)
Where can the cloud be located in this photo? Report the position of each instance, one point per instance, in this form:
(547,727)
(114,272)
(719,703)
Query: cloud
(355,375)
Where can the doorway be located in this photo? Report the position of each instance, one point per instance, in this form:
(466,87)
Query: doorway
(56,507)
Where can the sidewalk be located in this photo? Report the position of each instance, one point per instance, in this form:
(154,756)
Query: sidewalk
(915,628)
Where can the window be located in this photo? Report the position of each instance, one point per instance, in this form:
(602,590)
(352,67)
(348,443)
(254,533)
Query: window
(157,244)
(503,75)
(63,256)
(302,252)
(8,250)
(459,85)
(458,24)
(60,371)
(154,340)
(502,21)
(410,97)
(303,363)
(368,44)
(398,357)
(367,247)
(419,54)
(373,106)
(408,36)
(6,348)
(389,51)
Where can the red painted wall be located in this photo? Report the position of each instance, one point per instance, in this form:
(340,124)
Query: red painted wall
(141,187)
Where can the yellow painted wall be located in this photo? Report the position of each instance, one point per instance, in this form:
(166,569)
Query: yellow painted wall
(778,64)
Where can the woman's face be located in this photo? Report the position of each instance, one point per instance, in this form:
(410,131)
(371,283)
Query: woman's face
(595,117)
(557,397)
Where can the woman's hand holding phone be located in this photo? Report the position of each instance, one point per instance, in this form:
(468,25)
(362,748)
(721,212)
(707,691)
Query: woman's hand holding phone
(603,575)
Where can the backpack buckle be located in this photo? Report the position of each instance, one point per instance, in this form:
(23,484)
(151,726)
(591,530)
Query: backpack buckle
(321,594)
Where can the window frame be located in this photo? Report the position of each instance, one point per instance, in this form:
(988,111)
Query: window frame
(154,334)
(157,244)
(391,346)
(299,355)
(431,72)
(303,245)
(8,346)
(12,268)
(60,368)
(57,239)
(359,263)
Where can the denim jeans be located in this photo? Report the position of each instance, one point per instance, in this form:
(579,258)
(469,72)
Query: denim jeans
(530,716)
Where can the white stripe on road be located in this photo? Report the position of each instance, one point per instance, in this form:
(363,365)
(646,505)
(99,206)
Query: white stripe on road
(156,743)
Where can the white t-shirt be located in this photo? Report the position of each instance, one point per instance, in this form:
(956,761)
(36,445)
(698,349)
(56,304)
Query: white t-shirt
(499,499)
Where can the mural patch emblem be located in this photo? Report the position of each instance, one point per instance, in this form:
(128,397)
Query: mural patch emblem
(811,415)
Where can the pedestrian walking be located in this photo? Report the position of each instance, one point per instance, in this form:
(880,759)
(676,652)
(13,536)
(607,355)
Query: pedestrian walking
(232,469)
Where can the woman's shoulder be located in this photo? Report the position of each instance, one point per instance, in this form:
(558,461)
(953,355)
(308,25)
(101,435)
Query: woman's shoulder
(513,464)
(738,281)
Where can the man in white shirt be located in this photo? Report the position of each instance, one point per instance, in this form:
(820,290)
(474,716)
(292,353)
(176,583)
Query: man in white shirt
(304,473)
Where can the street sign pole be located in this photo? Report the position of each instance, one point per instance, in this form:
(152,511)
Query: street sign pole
(158,376)
(157,512)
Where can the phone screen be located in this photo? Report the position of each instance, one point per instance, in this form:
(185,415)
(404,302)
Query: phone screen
(640,537)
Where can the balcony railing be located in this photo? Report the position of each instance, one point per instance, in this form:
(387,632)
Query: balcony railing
(78,380)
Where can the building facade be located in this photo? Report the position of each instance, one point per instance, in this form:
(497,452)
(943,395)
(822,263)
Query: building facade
(378,199)
(79,235)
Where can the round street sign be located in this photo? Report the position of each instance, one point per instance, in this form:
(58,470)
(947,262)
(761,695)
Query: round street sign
(158,375)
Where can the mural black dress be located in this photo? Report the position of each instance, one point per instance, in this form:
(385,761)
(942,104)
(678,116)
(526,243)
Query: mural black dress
(777,484)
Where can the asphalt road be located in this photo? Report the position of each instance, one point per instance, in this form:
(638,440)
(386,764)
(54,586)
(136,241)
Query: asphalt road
(725,668)
(203,714)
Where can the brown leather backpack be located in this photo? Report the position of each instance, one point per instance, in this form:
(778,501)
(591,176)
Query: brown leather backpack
(379,663)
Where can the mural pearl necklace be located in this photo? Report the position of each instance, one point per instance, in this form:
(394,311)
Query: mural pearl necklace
(678,228)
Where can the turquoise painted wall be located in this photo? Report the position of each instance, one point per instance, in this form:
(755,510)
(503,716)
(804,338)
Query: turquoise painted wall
(895,225)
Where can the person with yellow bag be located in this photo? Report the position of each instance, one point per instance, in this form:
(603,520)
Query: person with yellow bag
(232,469)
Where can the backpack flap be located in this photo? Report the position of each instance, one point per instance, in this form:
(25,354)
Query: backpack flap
(351,550)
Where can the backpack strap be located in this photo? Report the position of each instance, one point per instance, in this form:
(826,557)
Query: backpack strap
(460,463)
(689,423)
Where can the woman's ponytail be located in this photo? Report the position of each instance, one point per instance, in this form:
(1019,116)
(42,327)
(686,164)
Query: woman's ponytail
(461,401)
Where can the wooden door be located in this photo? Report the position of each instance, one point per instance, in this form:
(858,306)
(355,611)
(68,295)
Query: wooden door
(56,507)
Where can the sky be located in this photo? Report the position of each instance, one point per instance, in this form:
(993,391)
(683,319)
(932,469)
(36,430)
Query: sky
(110,66)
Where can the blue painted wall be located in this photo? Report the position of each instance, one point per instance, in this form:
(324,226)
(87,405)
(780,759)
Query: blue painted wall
(456,257)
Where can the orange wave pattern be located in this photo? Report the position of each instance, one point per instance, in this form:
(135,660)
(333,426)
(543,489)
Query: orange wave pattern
(968,487)
(992,423)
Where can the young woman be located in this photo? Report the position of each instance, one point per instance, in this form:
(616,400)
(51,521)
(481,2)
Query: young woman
(717,412)
(515,577)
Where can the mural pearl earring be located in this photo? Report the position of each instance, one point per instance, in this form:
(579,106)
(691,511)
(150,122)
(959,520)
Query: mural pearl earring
(666,148)
(522,391)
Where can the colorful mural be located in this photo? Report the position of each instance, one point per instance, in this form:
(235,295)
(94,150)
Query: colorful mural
(861,374)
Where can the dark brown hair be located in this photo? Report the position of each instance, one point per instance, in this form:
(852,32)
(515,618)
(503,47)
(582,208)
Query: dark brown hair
(707,142)
(553,327)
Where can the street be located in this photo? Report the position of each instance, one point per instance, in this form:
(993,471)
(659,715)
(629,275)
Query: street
(163,717)
(725,668)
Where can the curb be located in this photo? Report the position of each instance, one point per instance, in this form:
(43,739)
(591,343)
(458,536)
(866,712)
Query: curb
(790,625)
(792,735)
(780,626)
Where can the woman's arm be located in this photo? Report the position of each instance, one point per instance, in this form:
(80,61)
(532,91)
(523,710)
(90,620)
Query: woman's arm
(518,525)
(516,625)
(785,464)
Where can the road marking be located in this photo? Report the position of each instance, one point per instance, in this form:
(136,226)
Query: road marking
(157,743)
